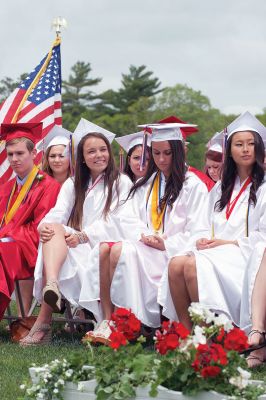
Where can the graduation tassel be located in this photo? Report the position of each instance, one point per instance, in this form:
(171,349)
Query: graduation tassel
(225,142)
(121,159)
(143,159)
(71,156)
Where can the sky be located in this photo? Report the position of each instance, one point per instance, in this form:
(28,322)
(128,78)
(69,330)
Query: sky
(216,47)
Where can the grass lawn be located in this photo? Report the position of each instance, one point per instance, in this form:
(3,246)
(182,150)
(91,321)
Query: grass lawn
(15,360)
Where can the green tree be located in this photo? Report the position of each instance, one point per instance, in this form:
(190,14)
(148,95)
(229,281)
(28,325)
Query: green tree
(77,96)
(136,84)
(194,107)
(7,85)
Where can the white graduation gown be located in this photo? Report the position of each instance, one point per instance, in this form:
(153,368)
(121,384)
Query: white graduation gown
(248,285)
(93,223)
(220,270)
(139,269)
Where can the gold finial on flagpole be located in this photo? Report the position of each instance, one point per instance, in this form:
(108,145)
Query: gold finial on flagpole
(58,24)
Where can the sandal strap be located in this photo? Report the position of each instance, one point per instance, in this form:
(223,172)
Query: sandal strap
(253,331)
(253,357)
(39,328)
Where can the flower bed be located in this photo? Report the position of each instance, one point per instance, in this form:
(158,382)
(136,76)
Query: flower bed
(186,364)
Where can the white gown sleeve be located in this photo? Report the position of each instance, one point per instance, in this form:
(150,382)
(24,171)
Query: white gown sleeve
(196,223)
(60,213)
(247,244)
(109,229)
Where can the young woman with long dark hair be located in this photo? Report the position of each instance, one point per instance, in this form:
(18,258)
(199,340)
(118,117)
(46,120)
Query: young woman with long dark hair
(132,145)
(211,271)
(79,220)
(166,201)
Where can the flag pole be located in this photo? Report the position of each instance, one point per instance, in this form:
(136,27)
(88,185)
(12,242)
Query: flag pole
(58,23)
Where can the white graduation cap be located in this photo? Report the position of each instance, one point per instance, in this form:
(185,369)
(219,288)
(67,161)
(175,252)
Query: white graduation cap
(247,122)
(167,131)
(129,141)
(84,127)
(216,142)
(56,136)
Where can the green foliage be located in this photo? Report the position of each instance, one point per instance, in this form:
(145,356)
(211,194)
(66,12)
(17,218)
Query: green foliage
(138,83)
(7,85)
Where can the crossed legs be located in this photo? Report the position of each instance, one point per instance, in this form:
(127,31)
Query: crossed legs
(54,254)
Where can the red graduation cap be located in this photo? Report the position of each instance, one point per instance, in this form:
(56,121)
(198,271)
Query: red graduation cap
(185,131)
(29,130)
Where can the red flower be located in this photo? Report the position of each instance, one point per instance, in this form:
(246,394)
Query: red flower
(210,371)
(221,335)
(236,340)
(121,313)
(126,323)
(181,330)
(207,355)
(117,339)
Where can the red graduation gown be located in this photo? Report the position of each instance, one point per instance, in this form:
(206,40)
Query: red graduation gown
(203,177)
(18,258)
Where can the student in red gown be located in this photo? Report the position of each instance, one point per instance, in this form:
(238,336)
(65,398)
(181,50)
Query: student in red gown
(24,201)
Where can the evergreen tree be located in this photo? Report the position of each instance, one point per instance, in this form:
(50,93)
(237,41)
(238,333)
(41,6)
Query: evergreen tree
(77,96)
(136,84)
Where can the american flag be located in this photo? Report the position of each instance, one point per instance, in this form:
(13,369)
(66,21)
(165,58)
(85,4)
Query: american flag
(36,99)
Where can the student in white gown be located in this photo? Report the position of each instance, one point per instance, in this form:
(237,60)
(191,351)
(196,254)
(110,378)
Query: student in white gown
(132,145)
(167,202)
(56,160)
(253,305)
(76,223)
(212,271)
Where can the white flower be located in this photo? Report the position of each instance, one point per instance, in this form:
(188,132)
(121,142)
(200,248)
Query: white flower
(198,337)
(56,390)
(223,320)
(243,373)
(22,387)
(69,373)
(61,382)
(80,386)
(196,309)
(242,380)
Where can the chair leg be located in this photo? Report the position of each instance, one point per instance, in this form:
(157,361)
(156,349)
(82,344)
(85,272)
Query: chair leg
(20,300)
(69,318)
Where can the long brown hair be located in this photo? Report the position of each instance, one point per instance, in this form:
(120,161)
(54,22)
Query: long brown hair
(176,179)
(82,176)
(45,164)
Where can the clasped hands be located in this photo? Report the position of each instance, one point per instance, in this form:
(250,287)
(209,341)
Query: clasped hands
(47,231)
(155,241)
(203,244)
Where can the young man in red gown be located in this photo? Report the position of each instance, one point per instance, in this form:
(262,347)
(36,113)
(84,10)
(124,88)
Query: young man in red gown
(24,201)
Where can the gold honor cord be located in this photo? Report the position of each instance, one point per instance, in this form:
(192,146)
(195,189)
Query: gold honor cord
(36,80)
(157,215)
(9,214)
(246,225)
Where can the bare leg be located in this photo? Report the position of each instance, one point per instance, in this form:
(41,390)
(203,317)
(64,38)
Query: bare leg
(258,307)
(54,253)
(105,282)
(178,289)
(190,274)
(114,257)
